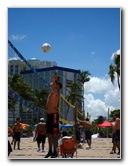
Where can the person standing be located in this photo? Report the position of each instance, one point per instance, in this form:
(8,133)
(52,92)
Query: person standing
(52,122)
(34,134)
(17,134)
(13,137)
(117,131)
(40,132)
(88,132)
(113,138)
(78,133)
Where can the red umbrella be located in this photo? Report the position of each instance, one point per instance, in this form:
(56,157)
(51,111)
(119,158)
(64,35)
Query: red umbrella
(104,124)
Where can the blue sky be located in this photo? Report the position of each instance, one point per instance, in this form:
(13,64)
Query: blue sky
(80,38)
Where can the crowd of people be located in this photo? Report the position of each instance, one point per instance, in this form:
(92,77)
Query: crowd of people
(82,135)
(52,122)
(50,129)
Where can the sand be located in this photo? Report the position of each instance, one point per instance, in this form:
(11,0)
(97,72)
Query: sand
(100,149)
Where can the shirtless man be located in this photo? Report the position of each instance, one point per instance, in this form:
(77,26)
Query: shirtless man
(88,132)
(52,122)
(40,133)
(18,130)
(117,131)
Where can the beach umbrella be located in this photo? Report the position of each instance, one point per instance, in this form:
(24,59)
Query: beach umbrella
(68,125)
(25,125)
(104,124)
(65,125)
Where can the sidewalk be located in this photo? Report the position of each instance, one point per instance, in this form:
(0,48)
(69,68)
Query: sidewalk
(101,148)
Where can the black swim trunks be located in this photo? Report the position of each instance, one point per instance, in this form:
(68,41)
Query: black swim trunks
(17,136)
(117,136)
(52,123)
(41,138)
(88,134)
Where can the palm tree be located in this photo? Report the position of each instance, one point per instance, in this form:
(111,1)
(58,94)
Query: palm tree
(100,119)
(11,107)
(74,97)
(115,68)
(23,89)
(40,98)
(113,112)
(84,77)
(11,102)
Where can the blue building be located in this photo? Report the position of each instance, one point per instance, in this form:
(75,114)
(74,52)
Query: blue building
(67,76)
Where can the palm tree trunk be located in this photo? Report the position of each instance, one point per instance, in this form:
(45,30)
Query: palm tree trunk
(21,111)
(75,119)
(67,112)
(118,81)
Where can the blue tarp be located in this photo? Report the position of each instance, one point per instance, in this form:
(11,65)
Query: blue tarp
(65,125)
(61,125)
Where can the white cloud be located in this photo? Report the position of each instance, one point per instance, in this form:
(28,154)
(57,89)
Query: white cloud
(97,85)
(17,37)
(117,52)
(100,94)
(94,107)
(112,98)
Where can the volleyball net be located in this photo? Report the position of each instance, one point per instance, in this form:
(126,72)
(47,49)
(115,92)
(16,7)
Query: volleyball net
(66,109)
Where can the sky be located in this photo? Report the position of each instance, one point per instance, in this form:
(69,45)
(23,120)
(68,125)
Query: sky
(80,38)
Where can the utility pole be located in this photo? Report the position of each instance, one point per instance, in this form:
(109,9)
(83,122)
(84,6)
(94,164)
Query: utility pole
(108,114)
(108,120)
(87,115)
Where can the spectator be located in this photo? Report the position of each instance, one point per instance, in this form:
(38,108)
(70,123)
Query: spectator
(117,131)
(17,134)
(41,134)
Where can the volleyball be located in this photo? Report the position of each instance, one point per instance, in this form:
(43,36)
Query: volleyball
(46,47)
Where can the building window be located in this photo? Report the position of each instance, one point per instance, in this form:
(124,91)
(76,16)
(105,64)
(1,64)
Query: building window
(24,68)
(11,68)
(60,73)
(16,69)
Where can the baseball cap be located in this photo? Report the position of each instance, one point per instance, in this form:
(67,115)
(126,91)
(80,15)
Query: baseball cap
(41,119)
